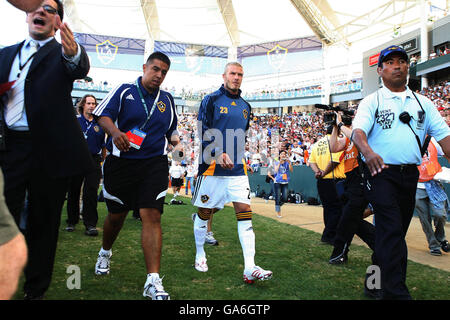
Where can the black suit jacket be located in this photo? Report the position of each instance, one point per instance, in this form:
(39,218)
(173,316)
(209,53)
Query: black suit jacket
(57,139)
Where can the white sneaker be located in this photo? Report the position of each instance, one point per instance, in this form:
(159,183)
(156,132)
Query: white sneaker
(256,273)
(209,239)
(154,289)
(102,265)
(200,265)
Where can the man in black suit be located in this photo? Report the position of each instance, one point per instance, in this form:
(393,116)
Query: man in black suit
(44,143)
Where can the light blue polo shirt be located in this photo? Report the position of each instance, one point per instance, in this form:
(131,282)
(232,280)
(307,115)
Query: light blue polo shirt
(378,116)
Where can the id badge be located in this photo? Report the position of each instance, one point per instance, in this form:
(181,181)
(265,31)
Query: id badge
(6,86)
(136,137)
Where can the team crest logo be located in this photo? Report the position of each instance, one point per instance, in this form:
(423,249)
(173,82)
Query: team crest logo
(96,128)
(245,112)
(161,106)
(204,198)
(276,56)
(233,103)
(106,51)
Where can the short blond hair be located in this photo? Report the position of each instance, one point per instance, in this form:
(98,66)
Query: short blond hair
(233,63)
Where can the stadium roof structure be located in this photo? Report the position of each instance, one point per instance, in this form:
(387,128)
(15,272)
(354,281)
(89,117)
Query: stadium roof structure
(234,23)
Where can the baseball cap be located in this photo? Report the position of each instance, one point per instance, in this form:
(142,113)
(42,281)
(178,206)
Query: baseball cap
(391,49)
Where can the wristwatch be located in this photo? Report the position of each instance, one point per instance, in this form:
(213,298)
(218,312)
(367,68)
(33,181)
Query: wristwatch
(340,124)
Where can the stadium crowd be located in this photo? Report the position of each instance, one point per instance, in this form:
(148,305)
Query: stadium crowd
(268,134)
(286,90)
(439,94)
(294,132)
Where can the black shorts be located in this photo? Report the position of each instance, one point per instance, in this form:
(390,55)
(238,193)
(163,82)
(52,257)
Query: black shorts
(177,182)
(131,184)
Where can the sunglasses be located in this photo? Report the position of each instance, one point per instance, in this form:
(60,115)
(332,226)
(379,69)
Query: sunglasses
(49,9)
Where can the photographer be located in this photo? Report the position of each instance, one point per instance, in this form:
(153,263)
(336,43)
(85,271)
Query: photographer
(328,169)
(281,180)
(354,201)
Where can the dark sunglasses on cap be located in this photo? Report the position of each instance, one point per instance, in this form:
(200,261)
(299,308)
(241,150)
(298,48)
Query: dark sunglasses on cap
(49,9)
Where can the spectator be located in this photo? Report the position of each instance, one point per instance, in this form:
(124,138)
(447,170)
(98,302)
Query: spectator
(432,201)
(191,176)
(282,178)
(176,174)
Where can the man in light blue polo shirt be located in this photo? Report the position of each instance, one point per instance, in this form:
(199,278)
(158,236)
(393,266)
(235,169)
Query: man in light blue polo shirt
(389,130)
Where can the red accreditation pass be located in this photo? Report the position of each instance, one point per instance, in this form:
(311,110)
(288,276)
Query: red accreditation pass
(6,86)
(136,137)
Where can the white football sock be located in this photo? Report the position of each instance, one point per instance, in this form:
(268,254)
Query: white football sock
(247,239)
(151,277)
(104,252)
(200,228)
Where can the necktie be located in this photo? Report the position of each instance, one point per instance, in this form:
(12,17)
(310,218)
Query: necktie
(14,108)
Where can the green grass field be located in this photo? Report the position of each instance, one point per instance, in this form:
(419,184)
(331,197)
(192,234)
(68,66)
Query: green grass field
(296,256)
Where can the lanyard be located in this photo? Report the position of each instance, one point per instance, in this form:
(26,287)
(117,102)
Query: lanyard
(88,127)
(145,105)
(21,66)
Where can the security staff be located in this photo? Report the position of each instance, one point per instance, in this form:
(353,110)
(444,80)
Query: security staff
(95,138)
(389,130)
(328,169)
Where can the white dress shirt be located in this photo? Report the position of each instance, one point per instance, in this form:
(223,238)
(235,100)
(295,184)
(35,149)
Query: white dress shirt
(25,53)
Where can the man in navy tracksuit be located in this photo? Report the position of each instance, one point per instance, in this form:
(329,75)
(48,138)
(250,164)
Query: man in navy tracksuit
(95,138)
(140,120)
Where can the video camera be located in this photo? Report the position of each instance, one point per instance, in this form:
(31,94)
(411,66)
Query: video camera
(330,117)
